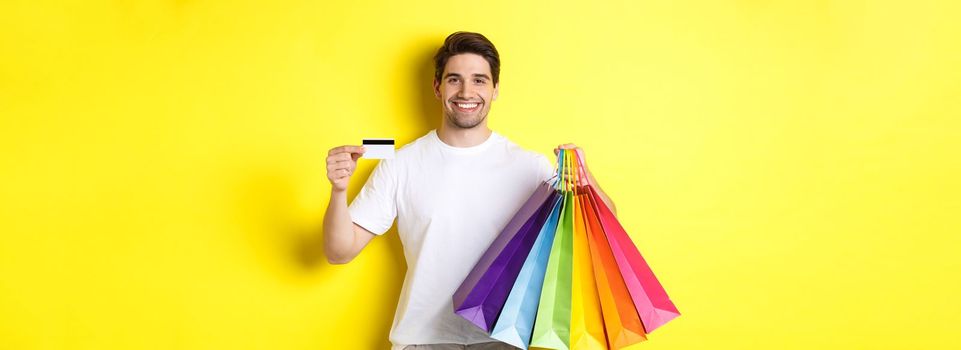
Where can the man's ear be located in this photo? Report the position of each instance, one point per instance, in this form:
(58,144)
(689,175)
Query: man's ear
(496,90)
(436,88)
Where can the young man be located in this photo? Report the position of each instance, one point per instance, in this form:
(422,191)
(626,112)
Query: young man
(451,191)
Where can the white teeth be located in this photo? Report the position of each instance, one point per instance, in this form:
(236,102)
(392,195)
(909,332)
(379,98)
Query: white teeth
(466,105)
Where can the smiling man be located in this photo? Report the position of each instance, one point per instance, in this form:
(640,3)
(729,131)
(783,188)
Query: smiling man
(452,191)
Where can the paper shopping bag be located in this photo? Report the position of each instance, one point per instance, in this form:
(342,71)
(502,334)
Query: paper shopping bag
(587,324)
(650,300)
(516,321)
(482,294)
(552,325)
(621,321)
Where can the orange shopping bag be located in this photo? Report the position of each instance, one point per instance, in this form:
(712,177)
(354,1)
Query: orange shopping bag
(587,324)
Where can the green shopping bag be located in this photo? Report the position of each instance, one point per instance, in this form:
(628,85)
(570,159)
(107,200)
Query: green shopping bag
(552,325)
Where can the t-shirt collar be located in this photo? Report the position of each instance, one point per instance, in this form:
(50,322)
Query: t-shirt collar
(464,150)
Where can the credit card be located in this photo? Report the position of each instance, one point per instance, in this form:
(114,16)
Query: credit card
(379,148)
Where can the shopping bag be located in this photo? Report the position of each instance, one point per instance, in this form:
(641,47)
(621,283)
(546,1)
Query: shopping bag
(481,295)
(587,324)
(621,321)
(650,300)
(516,321)
(564,274)
(552,325)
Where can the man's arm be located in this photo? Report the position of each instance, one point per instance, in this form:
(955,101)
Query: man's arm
(590,177)
(343,239)
(607,200)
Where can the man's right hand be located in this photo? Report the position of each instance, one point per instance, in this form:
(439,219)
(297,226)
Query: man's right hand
(341,162)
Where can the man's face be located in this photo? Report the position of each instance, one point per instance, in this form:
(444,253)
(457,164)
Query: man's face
(466,90)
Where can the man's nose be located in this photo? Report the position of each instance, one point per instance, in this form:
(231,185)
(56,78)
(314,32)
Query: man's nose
(465,91)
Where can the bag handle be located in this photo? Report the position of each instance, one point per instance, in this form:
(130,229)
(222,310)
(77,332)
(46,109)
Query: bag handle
(577,169)
(569,177)
(558,172)
(571,172)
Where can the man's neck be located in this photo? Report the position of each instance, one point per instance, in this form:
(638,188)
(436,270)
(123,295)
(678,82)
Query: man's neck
(457,137)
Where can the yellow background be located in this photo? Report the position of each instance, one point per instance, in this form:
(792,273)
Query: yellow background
(790,169)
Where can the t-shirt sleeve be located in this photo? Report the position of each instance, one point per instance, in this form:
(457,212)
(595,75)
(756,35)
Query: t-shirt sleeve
(545,168)
(375,206)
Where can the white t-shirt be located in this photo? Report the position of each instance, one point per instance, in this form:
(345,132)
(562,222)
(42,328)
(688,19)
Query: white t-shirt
(450,204)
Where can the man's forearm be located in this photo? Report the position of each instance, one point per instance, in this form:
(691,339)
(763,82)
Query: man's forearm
(607,200)
(338,228)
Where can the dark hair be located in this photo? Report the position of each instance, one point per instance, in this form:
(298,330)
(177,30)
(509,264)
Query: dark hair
(467,42)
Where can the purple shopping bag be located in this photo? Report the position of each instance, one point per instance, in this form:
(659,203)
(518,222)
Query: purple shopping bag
(481,296)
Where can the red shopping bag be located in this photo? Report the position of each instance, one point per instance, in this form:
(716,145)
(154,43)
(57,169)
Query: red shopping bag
(651,301)
(621,320)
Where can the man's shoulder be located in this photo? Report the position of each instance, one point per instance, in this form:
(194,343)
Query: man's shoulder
(518,151)
(533,162)
(413,147)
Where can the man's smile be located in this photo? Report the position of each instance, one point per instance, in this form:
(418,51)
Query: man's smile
(467,107)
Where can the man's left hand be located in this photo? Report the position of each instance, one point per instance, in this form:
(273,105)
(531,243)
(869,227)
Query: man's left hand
(582,180)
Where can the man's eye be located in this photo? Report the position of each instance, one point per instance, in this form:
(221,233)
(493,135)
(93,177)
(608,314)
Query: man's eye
(452,80)
(479,81)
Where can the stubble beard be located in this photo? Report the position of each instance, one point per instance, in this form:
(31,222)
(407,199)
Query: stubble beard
(465,121)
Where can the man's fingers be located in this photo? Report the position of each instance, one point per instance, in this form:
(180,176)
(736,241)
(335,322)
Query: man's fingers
(579,152)
(342,160)
(344,164)
(339,165)
(565,146)
(339,157)
(337,150)
(346,149)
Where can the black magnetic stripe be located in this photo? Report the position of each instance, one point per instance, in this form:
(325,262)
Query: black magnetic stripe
(378,142)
